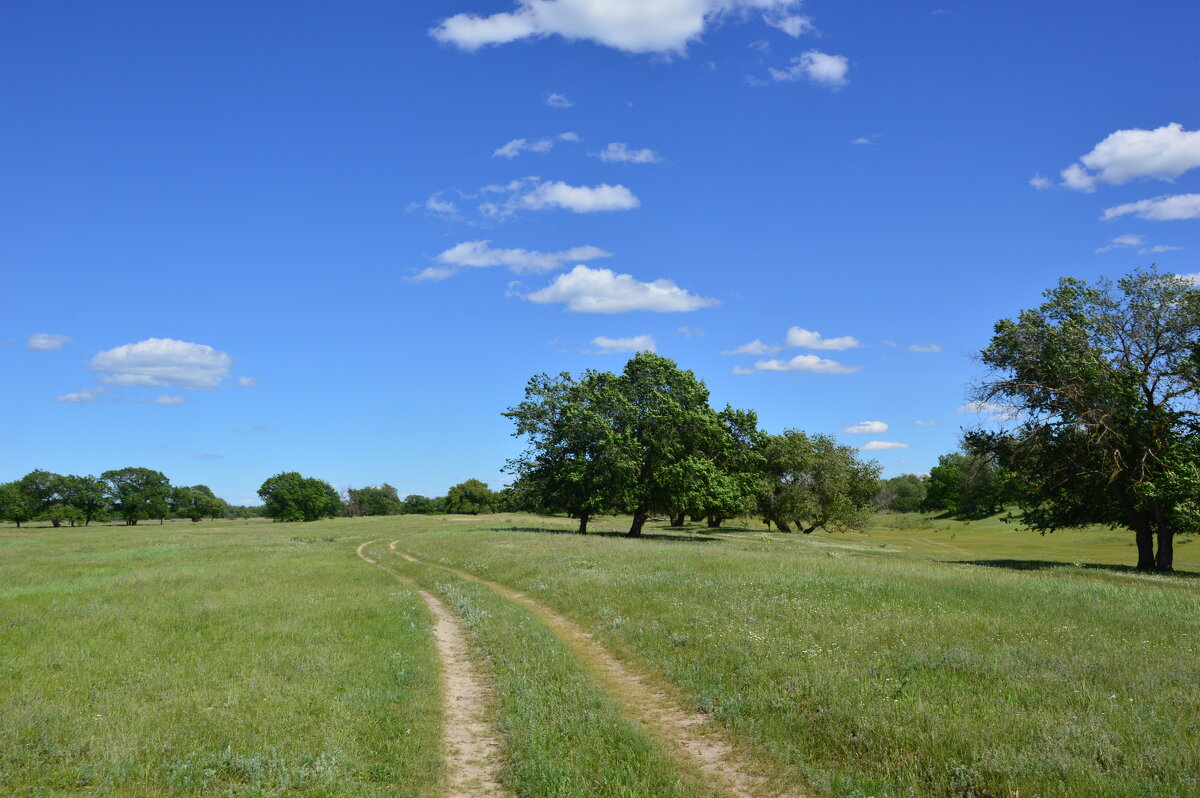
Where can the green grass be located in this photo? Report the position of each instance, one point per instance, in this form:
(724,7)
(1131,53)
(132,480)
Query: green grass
(861,666)
(563,735)
(926,657)
(226,660)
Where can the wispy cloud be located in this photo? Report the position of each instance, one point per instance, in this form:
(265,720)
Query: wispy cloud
(809,339)
(619,152)
(636,343)
(1159,209)
(755,347)
(920,423)
(480,254)
(517,146)
(1135,242)
(81,397)
(556,100)
(879,446)
(46,342)
(867,428)
(925,348)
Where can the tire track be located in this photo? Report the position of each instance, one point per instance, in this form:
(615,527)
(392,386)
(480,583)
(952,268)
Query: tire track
(470,743)
(690,732)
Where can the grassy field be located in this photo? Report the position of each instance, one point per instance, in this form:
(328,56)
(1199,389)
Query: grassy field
(926,657)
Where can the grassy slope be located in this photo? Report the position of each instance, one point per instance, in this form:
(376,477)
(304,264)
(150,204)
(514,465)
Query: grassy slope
(865,672)
(242,661)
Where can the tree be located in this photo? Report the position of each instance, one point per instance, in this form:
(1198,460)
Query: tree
(417,504)
(1100,386)
(14,504)
(88,495)
(29,497)
(197,502)
(381,500)
(816,483)
(471,497)
(902,494)
(137,493)
(291,497)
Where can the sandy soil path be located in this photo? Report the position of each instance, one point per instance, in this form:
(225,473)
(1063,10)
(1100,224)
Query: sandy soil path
(471,745)
(690,732)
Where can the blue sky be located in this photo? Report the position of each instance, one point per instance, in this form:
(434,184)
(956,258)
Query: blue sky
(242,238)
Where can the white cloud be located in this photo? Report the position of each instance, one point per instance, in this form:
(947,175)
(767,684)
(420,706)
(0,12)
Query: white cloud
(531,194)
(159,362)
(992,410)
(862,140)
(480,254)
(81,397)
(164,399)
(691,332)
(755,347)
(636,343)
(636,26)
(1040,183)
(247,382)
(517,146)
(432,273)
(587,290)
(1164,153)
(1159,209)
(879,446)
(807,339)
(1135,242)
(867,428)
(553,99)
(793,25)
(810,363)
(743,370)
(619,152)
(46,342)
(1157,248)
(818,67)
(925,348)
(920,423)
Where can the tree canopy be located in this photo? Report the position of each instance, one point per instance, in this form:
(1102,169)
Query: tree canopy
(290,496)
(1100,384)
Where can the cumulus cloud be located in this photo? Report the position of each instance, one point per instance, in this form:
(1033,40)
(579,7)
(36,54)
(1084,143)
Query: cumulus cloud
(517,146)
(755,347)
(636,343)
(81,397)
(619,152)
(586,290)
(879,446)
(46,342)
(818,67)
(810,363)
(1164,153)
(1159,209)
(867,428)
(925,348)
(161,362)
(635,26)
(532,194)
(480,254)
(808,339)
(556,100)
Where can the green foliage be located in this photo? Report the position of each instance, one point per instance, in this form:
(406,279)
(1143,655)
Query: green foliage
(291,497)
(470,498)
(88,495)
(1102,380)
(381,500)
(58,514)
(417,504)
(903,494)
(138,493)
(816,483)
(969,485)
(197,502)
(15,505)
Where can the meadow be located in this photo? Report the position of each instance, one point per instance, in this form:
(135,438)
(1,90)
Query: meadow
(924,657)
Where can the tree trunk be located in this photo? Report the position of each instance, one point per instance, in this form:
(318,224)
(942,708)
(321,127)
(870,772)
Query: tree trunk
(1166,551)
(639,519)
(679,520)
(810,530)
(783,527)
(1145,547)
(714,521)
(55,524)
(583,519)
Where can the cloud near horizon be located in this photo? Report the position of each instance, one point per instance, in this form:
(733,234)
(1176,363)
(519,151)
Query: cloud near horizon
(585,290)
(635,26)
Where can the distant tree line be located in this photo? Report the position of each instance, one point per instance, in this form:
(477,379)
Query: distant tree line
(129,494)
(646,442)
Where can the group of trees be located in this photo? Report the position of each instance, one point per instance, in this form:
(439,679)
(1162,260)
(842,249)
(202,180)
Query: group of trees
(291,496)
(131,494)
(647,442)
